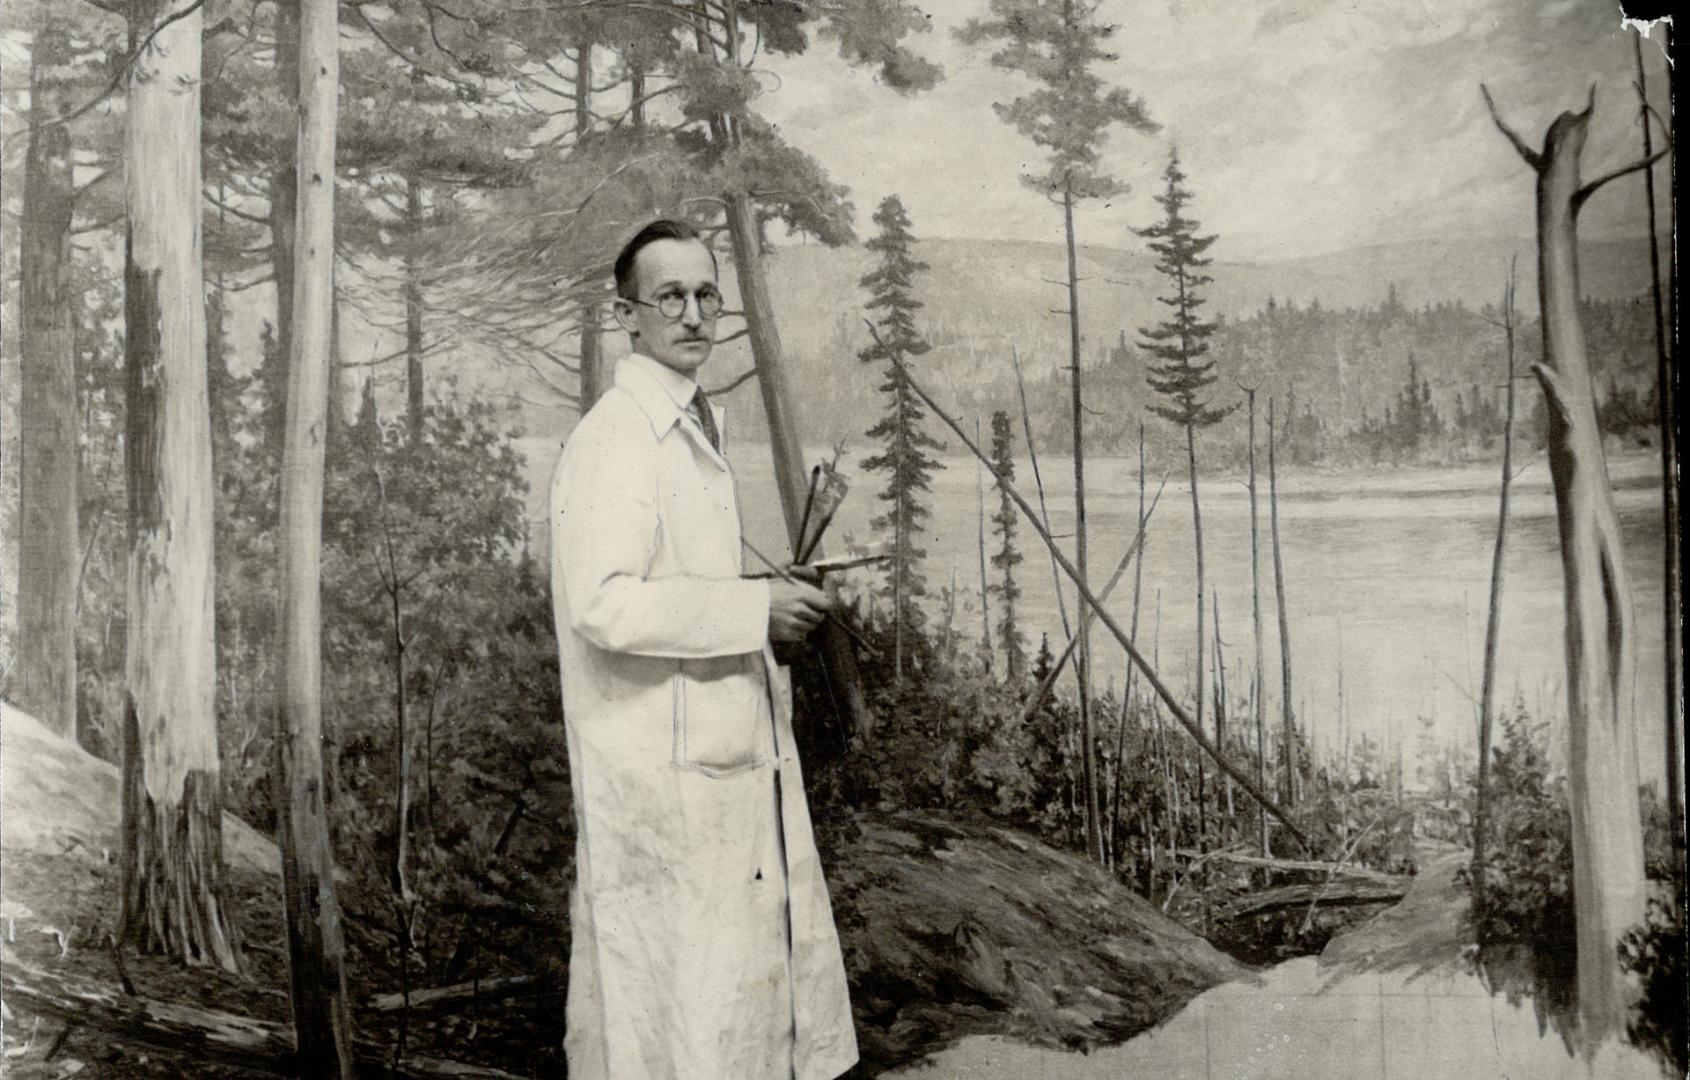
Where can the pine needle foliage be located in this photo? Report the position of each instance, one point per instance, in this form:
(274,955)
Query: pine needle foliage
(1008,556)
(907,454)
(1061,46)
(1179,343)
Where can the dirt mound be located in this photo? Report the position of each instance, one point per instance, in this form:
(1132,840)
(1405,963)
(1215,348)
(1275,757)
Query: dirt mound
(956,927)
(55,796)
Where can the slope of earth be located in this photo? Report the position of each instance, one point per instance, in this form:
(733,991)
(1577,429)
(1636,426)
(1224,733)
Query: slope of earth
(1393,998)
(956,927)
(950,928)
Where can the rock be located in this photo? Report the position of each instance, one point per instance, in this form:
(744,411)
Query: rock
(955,926)
(56,796)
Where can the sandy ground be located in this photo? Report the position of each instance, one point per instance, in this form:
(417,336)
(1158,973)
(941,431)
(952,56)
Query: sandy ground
(1392,999)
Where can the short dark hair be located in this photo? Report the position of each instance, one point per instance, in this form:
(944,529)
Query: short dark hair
(661,229)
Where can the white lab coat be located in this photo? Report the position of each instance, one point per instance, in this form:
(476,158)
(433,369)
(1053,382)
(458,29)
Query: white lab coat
(695,861)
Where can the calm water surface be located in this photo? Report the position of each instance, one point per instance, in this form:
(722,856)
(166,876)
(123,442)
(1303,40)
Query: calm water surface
(1386,579)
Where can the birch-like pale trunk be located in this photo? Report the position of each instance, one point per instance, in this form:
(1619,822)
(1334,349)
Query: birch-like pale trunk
(171,812)
(1493,621)
(1082,663)
(1609,889)
(593,374)
(44,681)
(1288,792)
(316,953)
(1256,704)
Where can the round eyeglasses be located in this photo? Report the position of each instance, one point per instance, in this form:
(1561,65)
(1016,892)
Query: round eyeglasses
(671,305)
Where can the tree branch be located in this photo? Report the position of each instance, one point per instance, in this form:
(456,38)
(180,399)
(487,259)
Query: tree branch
(735,384)
(1589,189)
(1532,157)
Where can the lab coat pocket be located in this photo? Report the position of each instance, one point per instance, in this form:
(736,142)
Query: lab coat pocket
(717,716)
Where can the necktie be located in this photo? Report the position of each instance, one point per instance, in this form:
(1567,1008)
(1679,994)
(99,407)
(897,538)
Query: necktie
(707,420)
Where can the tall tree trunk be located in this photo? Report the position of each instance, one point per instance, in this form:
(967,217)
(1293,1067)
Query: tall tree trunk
(1082,664)
(284,190)
(1143,538)
(980,516)
(171,806)
(1608,883)
(788,451)
(900,532)
(1493,622)
(316,953)
(1672,574)
(1039,483)
(1288,795)
(1256,704)
(1197,554)
(594,379)
(415,401)
(1221,705)
(44,680)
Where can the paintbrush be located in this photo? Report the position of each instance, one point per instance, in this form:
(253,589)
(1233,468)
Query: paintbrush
(851,631)
(809,501)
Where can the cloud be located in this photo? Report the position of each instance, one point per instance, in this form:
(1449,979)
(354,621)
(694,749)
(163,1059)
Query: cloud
(1310,125)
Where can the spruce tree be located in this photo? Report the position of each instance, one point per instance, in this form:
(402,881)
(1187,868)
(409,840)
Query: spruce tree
(1008,555)
(906,458)
(1179,374)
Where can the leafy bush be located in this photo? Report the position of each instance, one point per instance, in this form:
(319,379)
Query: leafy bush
(1655,953)
(1528,880)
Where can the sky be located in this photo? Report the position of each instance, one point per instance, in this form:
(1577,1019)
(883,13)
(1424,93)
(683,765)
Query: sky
(1305,126)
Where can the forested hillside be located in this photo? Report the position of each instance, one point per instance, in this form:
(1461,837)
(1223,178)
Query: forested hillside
(1338,341)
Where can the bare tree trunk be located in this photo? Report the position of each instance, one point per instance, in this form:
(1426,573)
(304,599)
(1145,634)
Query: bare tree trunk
(1288,793)
(980,515)
(171,813)
(1672,574)
(1082,665)
(1221,703)
(44,680)
(1608,882)
(316,952)
(1256,703)
(1142,538)
(1038,482)
(415,399)
(593,375)
(788,451)
(284,188)
(900,544)
(1493,623)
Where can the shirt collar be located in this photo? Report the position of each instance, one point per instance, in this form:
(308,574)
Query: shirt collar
(662,392)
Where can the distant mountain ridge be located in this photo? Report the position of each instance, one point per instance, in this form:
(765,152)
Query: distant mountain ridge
(984,298)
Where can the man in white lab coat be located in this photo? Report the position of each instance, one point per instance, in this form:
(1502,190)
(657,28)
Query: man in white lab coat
(703,941)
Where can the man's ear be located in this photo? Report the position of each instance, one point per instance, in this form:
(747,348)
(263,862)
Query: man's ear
(625,317)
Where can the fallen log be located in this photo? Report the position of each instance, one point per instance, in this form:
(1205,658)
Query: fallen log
(1299,866)
(206,1035)
(1334,894)
(475,991)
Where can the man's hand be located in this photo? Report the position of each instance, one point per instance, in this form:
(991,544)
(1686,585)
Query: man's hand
(795,608)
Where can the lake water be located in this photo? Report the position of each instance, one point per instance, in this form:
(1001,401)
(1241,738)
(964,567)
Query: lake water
(1386,577)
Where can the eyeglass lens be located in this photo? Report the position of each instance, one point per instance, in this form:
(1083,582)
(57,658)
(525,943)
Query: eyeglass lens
(671,305)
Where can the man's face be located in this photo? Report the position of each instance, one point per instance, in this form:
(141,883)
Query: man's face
(667,269)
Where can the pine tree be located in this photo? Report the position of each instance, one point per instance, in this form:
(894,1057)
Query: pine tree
(1070,116)
(1180,375)
(1008,555)
(907,459)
